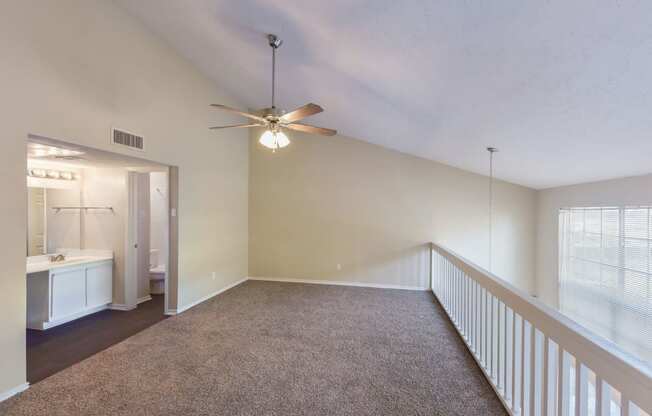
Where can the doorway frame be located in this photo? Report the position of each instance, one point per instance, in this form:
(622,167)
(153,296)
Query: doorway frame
(172,274)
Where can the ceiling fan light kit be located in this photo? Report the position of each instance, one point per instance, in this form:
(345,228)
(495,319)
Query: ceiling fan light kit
(273,119)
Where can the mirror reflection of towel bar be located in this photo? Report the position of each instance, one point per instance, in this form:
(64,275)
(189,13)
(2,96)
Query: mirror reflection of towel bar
(58,209)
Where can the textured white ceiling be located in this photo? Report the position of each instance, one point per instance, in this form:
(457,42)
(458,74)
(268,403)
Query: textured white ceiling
(562,88)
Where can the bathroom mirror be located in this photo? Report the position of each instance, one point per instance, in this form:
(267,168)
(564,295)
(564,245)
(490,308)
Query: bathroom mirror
(50,229)
(36,238)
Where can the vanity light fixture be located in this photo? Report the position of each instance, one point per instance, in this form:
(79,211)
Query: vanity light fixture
(37,173)
(42,151)
(52,174)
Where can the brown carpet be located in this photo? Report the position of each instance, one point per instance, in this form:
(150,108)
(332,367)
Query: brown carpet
(267,348)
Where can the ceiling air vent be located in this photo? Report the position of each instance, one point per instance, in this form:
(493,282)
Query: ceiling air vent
(124,138)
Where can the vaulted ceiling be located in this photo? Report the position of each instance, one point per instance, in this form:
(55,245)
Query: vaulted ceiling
(562,88)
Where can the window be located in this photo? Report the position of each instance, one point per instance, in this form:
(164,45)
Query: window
(605,273)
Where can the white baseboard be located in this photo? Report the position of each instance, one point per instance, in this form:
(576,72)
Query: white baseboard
(143,299)
(41,326)
(12,392)
(339,283)
(281,279)
(205,298)
(121,307)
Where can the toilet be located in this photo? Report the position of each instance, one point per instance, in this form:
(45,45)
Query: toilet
(156,274)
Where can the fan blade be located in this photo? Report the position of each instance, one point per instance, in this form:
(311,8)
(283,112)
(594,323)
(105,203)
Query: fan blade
(235,126)
(239,112)
(311,129)
(301,112)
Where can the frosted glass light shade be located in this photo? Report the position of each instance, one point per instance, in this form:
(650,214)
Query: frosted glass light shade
(274,139)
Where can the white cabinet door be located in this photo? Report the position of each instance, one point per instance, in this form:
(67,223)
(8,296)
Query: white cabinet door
(99,284)
(68,292)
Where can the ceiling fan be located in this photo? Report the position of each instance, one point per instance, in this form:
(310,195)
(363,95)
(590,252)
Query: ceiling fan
(274,119)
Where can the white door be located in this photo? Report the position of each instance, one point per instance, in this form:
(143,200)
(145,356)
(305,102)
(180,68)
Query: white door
(137,277)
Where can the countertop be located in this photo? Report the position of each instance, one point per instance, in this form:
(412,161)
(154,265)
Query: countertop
(42,263)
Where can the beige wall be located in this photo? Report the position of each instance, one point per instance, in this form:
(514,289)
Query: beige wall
(158,186)
(635,190)
(325,201)
(107,230)
(73,69)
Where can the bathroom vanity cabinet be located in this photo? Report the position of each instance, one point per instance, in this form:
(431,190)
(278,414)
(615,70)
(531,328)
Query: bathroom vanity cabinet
(64,293)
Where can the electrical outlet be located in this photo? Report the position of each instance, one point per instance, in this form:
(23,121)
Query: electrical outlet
(214,275)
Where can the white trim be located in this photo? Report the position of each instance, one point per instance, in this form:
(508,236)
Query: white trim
(339,283)
(143,299)
(42,326)
(170,312)
(12,392)
(205,298)
(121,307)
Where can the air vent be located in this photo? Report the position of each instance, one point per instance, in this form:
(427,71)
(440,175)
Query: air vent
(124,138)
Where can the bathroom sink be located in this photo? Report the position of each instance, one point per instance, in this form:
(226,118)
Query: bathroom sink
(35,265)
(69,260)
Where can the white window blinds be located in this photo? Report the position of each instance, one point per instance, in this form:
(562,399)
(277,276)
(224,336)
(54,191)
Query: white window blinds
(605,260)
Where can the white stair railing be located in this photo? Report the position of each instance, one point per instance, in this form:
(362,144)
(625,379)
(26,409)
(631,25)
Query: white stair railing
(539,362)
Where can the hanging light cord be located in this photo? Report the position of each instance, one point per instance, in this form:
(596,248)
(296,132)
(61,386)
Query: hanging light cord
(491,151)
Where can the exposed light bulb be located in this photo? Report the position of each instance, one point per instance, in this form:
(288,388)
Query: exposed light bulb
(274,139)
(39,173)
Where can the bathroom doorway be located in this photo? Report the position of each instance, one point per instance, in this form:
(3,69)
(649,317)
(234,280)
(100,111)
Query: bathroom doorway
(89,284)
(148,233)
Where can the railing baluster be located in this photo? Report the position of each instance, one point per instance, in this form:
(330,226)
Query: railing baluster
(463,303)
(460,301)
(485,328)
(478,322)
(495,329)
(483,325)
(581,389)
(460,309)
(473,316)
(625,408)
(531,369)
(490,334)
(478,314)
(456,285)
(517,383)
(501,347)
(469,309)
(552,382)
(538,372)
(564,383)
(448,290)
(545,373)
(469,333)
(509,353)
(602,397)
